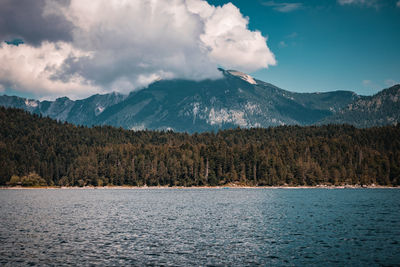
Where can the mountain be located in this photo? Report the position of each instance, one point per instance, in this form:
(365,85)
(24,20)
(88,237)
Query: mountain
(234,100)
(380,109)
(82,112)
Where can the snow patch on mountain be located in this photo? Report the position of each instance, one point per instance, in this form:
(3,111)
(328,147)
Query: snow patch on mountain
(99,110)
(242,76)
(227,116)
(196,107)
(31,103)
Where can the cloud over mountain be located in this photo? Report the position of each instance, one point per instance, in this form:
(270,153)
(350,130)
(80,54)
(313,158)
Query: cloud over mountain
(100,46)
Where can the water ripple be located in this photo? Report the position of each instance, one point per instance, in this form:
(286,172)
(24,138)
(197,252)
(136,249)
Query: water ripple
(200,227)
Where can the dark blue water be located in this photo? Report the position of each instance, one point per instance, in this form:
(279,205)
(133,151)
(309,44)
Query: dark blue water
(200,227)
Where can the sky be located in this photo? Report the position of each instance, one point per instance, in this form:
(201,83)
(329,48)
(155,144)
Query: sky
(325,45)
(74,48)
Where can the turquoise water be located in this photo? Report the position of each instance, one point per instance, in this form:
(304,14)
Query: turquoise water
(200,227)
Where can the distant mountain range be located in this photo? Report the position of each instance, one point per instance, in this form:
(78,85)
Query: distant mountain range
(82,112)
(235,100)
(377,110)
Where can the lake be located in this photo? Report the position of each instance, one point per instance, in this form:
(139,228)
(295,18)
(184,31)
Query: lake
(200,227)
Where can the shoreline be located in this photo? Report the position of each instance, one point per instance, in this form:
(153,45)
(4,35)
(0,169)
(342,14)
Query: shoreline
(203,187)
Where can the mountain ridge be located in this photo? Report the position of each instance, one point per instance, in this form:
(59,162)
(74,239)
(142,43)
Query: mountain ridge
(383,108)
(235,100)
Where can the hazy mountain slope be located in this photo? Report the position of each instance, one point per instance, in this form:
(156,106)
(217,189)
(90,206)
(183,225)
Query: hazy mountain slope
(81,112)
(19,102)
(380,109)
(85,111)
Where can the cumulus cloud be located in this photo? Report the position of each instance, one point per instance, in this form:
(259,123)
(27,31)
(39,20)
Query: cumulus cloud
(26,19)
(227,39)
(31,69)
(110,45)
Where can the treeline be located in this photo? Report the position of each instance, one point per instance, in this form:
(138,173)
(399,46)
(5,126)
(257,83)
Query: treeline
(69,155)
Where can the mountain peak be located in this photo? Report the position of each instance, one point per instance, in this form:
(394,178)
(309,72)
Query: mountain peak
(242,76)
(63,98)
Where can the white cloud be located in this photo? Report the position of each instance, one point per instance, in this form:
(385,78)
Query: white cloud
(368,3)
(229,42)
(283,7)
(349,2)
(27,68)
(123,45)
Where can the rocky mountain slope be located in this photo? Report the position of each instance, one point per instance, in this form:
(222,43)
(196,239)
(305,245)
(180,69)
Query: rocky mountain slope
(380,109)
(235,100)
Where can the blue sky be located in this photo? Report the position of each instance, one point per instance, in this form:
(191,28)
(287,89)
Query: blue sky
(325,45)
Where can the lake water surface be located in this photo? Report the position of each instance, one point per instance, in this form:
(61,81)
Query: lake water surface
(200,227)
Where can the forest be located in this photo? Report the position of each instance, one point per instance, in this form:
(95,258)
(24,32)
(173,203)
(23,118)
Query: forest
(37,151)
